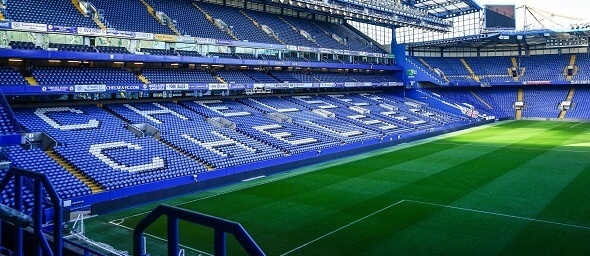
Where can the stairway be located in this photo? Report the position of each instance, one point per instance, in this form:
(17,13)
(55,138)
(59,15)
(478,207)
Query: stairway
(514,66)
(471,73)
(481,99)
(220,79)
(326,32)
(570,96)
(425,63)
(2,15)
(76,4)
(143,79)
(174,29)
(519,97)
(432,69)
(210,19)
(94,187)
(152,12)
(296,29)
(572,63)
(98,22)
(257,24)
(31,80)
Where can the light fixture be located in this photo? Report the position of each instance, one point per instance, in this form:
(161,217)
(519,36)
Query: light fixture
(15,60)
(54,61)
(138,63)
(73,61)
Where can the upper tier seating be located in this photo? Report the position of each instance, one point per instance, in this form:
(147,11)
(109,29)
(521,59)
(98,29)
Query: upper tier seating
(294,77)
(189,53)
(24,45)
(544,67)
(11,76)
(282,29)
(333,77)
(261,77)
(131,15)
(112,49)
(189,18)
(161,52)
(72,47)
(235,76)
(343,32)
(54,12)
(81,75)
(495,69)
(241,26)
(180,75)
(323,40)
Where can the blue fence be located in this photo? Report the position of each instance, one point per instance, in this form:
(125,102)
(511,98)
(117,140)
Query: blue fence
(220,226)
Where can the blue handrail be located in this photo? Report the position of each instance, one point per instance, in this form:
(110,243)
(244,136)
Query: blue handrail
(219,225)
(41,184)
(11,114)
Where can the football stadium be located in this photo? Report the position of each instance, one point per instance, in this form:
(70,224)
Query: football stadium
(294,127)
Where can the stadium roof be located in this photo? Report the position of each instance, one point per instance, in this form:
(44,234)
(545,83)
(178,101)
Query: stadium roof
(445,8)
(437,8)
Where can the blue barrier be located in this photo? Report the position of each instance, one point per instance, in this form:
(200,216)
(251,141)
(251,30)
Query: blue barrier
(173,214)
(41,184)
(59,55)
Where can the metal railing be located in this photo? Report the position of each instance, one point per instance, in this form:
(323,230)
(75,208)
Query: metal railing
(220,227)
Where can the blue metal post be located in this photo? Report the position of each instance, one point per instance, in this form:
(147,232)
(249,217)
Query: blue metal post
(172,235)
(219,242)
(37,216)
(18,205)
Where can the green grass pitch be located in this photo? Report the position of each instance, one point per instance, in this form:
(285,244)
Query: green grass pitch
(516,188)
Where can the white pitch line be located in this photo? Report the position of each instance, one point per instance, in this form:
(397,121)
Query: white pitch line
(576,125)
(528,148)
(501,214)
(343,227)
(163,240)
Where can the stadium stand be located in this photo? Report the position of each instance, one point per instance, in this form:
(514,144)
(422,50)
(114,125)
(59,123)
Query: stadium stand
(72,47)
(180,75)
(112,49)
(66,184)
(240,25)
(285,32)
(11,76)
(234,76)
(54,12)
(213,147)
(581,106)
(24,45)
(99,146)
(123,15)
(161,52)
(543,102)
(82,75)
(187,14)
